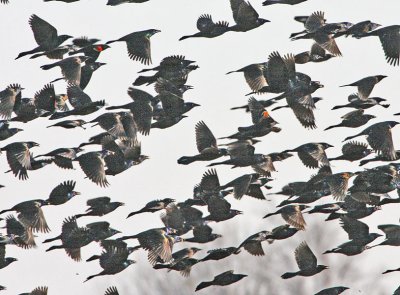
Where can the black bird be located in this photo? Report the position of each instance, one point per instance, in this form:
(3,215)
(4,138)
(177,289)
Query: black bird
(281,232)
(391,270)
(289,2)
(218,254)
(47,99)
(19,157)
(6,132)
(93,165)
(206,145)
(116,124)
(10,100)
(392,232)
(69,124)
(31,214)
(306,261)
(353,119)
(208,29)
(315,54)
(255,75)
(359,29)
(101,230)
(379,137)
(62,193)
(223,279)
(312,154)
(390,40)
(184,266)
(63,157)
(332,291)
(39,290)
(93,51)
(380,158)
(100,206)
(138,44)
(339,184)
(153,206)
(87,71)
(46,36)
(353,151)
(164,85)
(23,234)
(220,209)
(5,261)
(245,16)
(203,234)
(241,184)
(70,68)
(292,215)
(366,85)
(356,102)
(253,243)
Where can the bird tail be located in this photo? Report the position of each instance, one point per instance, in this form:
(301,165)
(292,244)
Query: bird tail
(25,53)
(296,34)
(285,202)
(186,160)
(237,251)
(54,248)
(288,275)
(219,163)
(146,70)
(135,212)
(333,216)
(115,107)
(4,211)
(112,41)
(185,37)
(59,115)
(94,257)
(391,270)
(91,277)
(127,237)
(339,107)
(38,54)
(80,215)
(143,80)
(353,136)
(160,266)
(238,108)
(363,162)
(337,158)
(268,215)
(386,106)
(49,66)
(55,80)
(51,240)
(270,2)
(203,285)
(333,126)
(330,251)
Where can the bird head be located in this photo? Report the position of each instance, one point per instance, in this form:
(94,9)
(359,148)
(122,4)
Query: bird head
(369,117)
(236,212)
(11,260)
(316,85)
(263,21)
(322,267)
(185,88)
(32,144)
(74,193)
(326,145)
(374,26)
(152,32)
(380,77)
(223,152)
(64,37)
(393,123)
(191,105)
(195,250)
(317,99)
(167,201)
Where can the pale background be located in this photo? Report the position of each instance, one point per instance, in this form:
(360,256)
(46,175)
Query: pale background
(162,177)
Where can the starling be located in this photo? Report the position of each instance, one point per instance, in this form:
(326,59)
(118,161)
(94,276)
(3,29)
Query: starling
(153,206)
(306,261)
(70,68)
(46,36)
(31,215)
(69,124)
(289,2)
(332,291)
(93,165)
(292,215)
(63,157)
(253,243)
(100,206)
(6,132)
(138,44)
(353,119)
(366,85)
(255,75)
(379,137)
(37,291)
(353,151)
(206,145)
(315,54)
(390,40)
(62,193)
(312,154)
(208,29)
(245,16)
(218,254)
(223,279)
(10,99)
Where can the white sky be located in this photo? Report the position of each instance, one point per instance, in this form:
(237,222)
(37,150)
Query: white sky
(161,176)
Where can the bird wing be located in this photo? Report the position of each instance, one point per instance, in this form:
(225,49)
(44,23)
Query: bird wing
(255,77)
(241,185)
(246,14)
(265,168)
(235,4)
(355,229)
(352,114)
(305,258)
(254,248)
(392,231)
(205,23)
(139,95)
(63,189)
(338,187)
(241,150)
(142,114)
(129,125)
(45,98)
(34,219)
(315,21)
(217,206)
(77,97)
(349,147)
(111,291)
(316,49)
(210,180)
(380,139)
(93,166)
(328,43)
(295,218)
(204,137)
(277,73)
(391,46)
(7,103)
(39,291)
(256,109)
(71,70)
(139,49)
(43,32)
(303,112)
(98,202)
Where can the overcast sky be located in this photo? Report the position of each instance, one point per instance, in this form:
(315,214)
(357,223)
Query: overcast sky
(217,93)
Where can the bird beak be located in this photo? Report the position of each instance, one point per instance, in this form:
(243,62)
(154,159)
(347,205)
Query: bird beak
(77,193)
(196,105)
(189,86)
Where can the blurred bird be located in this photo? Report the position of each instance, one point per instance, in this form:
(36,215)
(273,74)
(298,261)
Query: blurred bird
(99,207)
(207,28)
(10,100)
(184,266)
(93,51)
(138,45)
(223,279)
(220,209)
(353,119)
(46,36)
(359,29)
(281,232)
(6,132)
(47,99)
(315,54)
(218,254)
(23,234)
(358,103)
(203,234)
(292,215)
(366,85)
(306,261)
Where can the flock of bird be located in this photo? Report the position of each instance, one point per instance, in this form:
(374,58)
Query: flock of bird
(118,149)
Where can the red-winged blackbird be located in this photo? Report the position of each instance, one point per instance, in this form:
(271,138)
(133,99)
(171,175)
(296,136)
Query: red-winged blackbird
(138,44)
(223,279)
(339,184)
(184,266)
(93,51)
(306,261)
(46,36)
(10,100)
(245,16)
(207,28)
(366,85)
(289,2)
(23,234)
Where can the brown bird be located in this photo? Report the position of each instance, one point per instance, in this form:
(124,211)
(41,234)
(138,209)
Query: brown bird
(339,184)
(255,75)
(292,215)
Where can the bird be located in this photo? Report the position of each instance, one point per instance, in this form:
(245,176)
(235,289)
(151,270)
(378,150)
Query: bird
(220,209)
(6,132)
(19,157)
(292,215)
(46,36)
(253,243)
(138,45)
(47,99)
(23,234)
(10,99)
(315,54)
(63,157)
(339,184)
(245,16)
(69,124)
(392,232)
(93,165)
(207,28)
(306,261)
(379,137)
(255,76)
(353,119)
(39,290)
(99,207)
(241,185)
(312,155)
(184,266)
(289,2)
(153,206)
(223,279)
(62,193)
(91,50)
(390,40)
(358,103)
(332,291)
(379,158)
(70,68)
(206,145)
(5,261)
(281,232)
(220,253)
(359,29)
(203,234)
(366,85)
